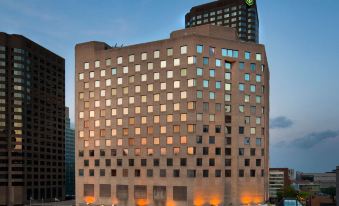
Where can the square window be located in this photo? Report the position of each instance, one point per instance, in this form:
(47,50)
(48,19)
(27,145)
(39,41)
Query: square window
(183,50)
(169,52)
(199,72)
(200,49)
(247,55)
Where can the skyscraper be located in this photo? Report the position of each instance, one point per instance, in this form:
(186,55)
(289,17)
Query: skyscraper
(229,13)
(69,157)
(181,121)
(32,121)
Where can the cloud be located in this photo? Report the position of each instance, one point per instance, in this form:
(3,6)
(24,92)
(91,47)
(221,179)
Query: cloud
(310,140)
(280,122)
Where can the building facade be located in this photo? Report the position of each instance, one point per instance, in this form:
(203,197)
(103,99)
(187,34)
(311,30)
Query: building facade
(279,178)
(181,121)
(32,122)
(229,13)
(324,180)
(69,157)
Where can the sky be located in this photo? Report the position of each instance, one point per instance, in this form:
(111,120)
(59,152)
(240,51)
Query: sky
(301,44)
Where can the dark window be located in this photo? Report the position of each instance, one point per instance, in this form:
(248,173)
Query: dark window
(191,173)
(241,130)
(199,161)
(176,173)
(131,162)
(156,162)
(217,129)
(113,173)
(258,162)
(108,162)
(205,128)
(228,130)
(113,152)
(169,162)
(241,151)
(179,193)
(199,139)
(149,173)
(228,140)
(183,162)
(102,172)
(247,162)
(228,173)
(205,173)
(217,173)
(218,151)
(212,162)
(143,162)
(91,153)
(211,140)
(137,173)
(241,173)
(228,162)
(228,151)
(81,153)
(228,119)
(119,162)
(252,173)
(86,163)
(97,162)
(205,150)
(102,153)
(162,173)
(252,151)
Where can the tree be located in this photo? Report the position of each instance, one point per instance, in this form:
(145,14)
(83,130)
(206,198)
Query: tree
(287,192)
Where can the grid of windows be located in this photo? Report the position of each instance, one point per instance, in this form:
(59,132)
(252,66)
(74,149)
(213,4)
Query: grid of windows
(167,112)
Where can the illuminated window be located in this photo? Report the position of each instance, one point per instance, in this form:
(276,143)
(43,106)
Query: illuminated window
(176,84)
(169,52)
(163,64)
(176,106)
(176,62)
(156,54)
(183,140)
(191,60)
(169,140)
(137,68)
(97,64)
(156,140)
(143,56)
(169,74)
(86,65)
(131,58)
(183,50)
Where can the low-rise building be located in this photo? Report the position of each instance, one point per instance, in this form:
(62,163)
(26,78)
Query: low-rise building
(278,179)
(324,180)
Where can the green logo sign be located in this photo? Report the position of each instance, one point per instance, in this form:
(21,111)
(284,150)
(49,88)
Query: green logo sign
(250,2)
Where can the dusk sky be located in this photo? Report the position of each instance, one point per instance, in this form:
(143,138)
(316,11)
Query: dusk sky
(301,39)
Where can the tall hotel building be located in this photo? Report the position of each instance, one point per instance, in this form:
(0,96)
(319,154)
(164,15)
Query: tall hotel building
(181,121)
(229,13)
(32,122)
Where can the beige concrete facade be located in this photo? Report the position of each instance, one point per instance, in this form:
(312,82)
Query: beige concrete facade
(156,124)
